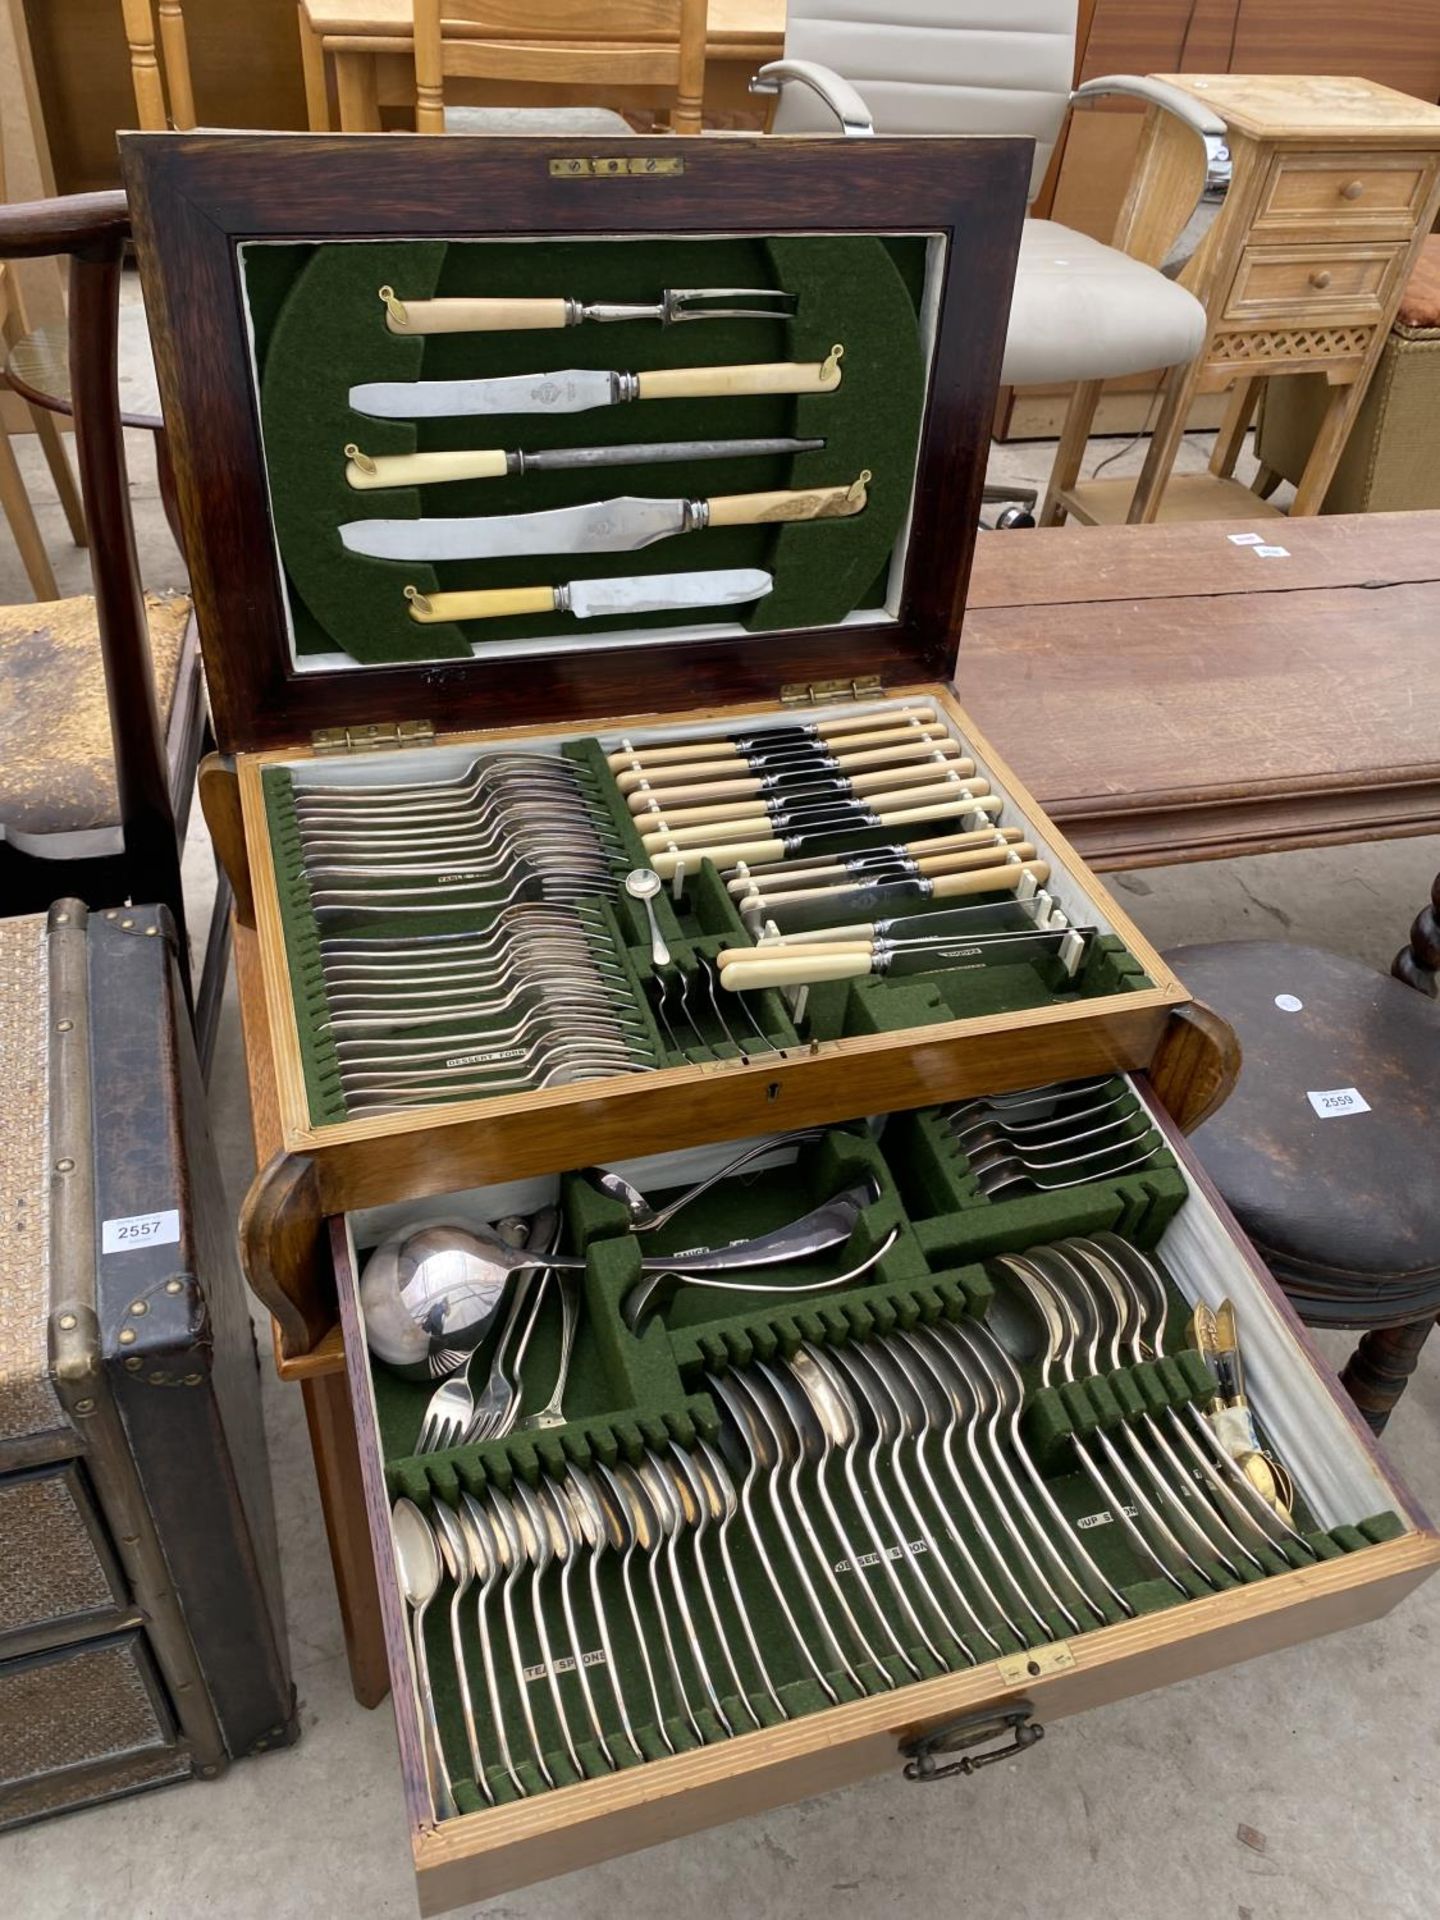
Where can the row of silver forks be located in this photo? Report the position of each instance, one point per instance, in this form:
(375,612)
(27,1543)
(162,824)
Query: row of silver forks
(1052,1137)
(882,1493)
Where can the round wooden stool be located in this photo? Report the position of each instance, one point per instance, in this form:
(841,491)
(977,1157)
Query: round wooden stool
(1328,1151)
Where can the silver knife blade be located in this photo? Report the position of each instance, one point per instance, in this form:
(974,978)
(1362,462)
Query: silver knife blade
(646,453)
(602,526)
(656,592)
(576,391)
(805,914)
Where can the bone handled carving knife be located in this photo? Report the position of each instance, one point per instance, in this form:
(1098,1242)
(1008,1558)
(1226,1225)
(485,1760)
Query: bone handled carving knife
(580,389)
(600,526)
(595,599)
(461,314)
(368,472)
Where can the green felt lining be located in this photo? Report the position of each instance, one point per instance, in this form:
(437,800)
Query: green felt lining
(697,928)
(630,1393)
(326,331)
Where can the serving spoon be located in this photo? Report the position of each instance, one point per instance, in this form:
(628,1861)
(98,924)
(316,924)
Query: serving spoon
(418,1559)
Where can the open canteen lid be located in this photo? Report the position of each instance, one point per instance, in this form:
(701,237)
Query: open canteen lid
(368,347)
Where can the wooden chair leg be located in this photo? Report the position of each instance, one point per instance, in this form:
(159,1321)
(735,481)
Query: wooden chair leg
(312,66)
(1418,964)
(1074,437)
(1239,412)
(1378,1371)
(15,502)
(1178,389)
(355,93)
(331,1420)
(1335,425)
(1266,480)
(52,445)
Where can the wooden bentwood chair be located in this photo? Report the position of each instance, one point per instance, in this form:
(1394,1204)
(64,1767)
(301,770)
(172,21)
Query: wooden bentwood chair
(651,52)
(102,703)
(1341,1200)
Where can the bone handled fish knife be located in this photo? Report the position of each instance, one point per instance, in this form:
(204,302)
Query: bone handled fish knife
(595,599)
(601,526)
(367,472)
(461,314)
(580,389)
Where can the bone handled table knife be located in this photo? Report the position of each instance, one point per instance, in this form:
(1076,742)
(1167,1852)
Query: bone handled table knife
(580,389)
(461,314)
(601,526)
(795,966)
(367,472)
(595,599)
(670,860)
(632,758)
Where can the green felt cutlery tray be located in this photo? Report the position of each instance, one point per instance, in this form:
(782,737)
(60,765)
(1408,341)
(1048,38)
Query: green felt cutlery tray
(633,1392)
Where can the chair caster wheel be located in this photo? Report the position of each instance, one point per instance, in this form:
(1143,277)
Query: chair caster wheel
(1014,517)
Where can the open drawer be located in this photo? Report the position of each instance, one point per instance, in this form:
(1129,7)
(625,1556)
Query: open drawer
(797,1539)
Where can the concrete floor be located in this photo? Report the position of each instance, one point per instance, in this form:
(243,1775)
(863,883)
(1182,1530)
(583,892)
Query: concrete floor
(1302,1785)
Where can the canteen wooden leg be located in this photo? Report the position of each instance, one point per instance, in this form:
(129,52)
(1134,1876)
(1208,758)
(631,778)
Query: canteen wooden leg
(331,1420)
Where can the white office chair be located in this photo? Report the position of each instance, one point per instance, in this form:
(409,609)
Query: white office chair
(1082,311)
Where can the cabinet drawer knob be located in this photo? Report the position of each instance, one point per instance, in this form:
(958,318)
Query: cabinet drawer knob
(1012,1724)
(1320,277)
(1352,190)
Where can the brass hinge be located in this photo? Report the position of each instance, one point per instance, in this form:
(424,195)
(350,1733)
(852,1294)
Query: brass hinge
(818,693)
(1016,1669)
(374,739)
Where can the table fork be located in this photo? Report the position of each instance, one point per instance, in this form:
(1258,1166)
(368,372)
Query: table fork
(451,1407)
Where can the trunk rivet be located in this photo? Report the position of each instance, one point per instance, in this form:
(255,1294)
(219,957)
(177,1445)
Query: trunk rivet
(68,1320)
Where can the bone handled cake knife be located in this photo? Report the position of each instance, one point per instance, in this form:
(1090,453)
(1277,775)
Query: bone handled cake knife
(595,599)
(462,314)
(579,389)
(600,526)
(367,472)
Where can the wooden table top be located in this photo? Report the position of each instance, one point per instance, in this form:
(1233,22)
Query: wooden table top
(735,28)
(1170,696)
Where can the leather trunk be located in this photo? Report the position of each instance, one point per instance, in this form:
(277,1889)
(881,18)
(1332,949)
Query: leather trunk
(141,1628)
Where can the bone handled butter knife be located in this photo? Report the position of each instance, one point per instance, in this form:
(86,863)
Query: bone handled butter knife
(594,599)
(579,389)
(462,314)
(601,526)
(367,472)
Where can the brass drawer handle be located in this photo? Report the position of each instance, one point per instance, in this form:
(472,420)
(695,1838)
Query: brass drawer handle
(971,1730)
(1320,277)
(1352,190)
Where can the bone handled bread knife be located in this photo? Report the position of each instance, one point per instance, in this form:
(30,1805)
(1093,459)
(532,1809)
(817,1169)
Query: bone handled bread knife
(366,472)
(582,388)
(594,599)
(601,526)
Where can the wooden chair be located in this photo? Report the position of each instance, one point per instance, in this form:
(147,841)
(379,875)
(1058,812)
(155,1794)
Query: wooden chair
(152,83)
(652,51)
(14,499)
(102,705)
(1341,1200)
